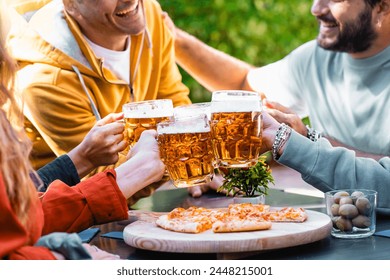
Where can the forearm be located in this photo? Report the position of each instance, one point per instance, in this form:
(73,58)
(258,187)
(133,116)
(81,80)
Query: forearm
(328,168)
(81,163)
(213,69)
(359,153)
(93,201)
(137,173)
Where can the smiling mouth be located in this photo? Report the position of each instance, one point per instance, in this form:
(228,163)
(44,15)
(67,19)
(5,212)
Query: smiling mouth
(127,12)
(329,24)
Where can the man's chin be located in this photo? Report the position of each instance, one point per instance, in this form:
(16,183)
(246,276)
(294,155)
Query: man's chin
(325,43)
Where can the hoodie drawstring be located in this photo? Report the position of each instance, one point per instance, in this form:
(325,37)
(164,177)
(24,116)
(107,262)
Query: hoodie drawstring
(93,105)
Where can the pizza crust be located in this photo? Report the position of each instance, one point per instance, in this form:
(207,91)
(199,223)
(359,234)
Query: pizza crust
(175,225)
(240,225)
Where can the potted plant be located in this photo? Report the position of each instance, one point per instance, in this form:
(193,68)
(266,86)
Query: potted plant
(249,182)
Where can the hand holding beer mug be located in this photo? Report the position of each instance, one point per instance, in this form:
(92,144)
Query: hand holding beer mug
(185,148)
(236,127)
(143,115)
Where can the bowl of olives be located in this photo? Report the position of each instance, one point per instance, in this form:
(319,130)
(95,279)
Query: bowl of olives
(352,211)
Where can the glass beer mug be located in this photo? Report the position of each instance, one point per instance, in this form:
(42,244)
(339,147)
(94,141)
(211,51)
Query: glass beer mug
(185,149)
(236,127)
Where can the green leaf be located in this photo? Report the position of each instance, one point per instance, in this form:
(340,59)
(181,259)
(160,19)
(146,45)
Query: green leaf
(251,181)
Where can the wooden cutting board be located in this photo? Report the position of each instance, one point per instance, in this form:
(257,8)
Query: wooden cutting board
(145,234)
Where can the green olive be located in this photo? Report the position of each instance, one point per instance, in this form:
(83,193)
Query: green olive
(363,205)
(361,221)
(343,224)
(348,211)
(336,196)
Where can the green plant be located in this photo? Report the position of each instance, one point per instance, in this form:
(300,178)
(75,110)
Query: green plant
(248,181)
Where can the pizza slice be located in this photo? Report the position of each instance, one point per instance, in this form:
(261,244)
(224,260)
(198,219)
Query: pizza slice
(191,220)
(286,214)
(234,224)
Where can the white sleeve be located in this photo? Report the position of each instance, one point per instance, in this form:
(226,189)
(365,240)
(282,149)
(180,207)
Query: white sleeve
(274,81)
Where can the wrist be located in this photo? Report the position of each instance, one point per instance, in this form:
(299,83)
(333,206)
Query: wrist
(80,161)
(281,137)
(312,134)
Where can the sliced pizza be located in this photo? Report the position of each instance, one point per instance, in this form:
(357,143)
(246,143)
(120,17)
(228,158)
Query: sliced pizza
(287,214)
(234,224)
(236,218)
(191,220)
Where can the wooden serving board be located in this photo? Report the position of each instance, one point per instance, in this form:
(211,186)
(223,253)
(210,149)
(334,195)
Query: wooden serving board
(145,234)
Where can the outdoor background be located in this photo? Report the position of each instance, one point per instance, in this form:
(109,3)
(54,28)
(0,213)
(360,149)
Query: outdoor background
(256,31)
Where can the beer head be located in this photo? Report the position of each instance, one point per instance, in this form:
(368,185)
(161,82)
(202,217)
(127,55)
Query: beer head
(235,101)
(143,115)
(148,109)
(192,110)
(195,124)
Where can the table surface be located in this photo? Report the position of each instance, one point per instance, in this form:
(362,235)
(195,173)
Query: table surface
(330,248)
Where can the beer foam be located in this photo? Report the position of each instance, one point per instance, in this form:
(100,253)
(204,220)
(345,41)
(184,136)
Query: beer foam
(178,127)
(234,95)
(237,105)
(147,113)
(149,109)
(192,110)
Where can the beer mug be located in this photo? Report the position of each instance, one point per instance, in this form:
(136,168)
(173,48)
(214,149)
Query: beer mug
(236,127)
(143,115)
(185,148)
(192,110)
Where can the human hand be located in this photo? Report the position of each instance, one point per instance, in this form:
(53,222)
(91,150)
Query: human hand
(270,127)
(98,254)
(146,149)
(285,115)
(143,168)
(101,145)
(197,191)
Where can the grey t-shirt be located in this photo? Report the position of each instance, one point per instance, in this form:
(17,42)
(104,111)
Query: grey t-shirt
(345,98)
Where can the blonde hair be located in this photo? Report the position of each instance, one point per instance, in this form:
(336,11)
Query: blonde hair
(15,146)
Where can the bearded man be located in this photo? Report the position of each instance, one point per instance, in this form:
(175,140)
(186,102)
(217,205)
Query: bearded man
(340,80)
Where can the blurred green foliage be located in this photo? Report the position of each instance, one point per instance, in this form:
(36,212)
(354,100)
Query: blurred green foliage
(256,31)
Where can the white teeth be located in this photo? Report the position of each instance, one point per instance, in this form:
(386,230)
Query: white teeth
(123,12)
(128,11)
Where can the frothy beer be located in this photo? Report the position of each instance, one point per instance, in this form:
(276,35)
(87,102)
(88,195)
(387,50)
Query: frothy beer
(140,116)
(236,128)
(185,148)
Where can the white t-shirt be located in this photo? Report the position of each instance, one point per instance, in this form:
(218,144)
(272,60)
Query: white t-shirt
(117,61)
(346,98)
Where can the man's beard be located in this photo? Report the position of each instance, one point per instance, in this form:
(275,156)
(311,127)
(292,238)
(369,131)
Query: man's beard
(355,37)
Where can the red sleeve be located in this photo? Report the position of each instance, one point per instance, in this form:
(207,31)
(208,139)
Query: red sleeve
(94,201)
(15,239)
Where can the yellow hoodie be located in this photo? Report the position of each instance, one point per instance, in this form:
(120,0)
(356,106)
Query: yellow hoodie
(58,111)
